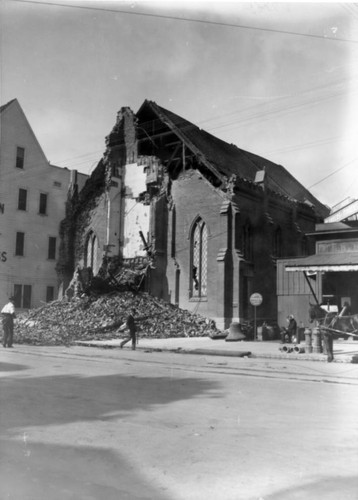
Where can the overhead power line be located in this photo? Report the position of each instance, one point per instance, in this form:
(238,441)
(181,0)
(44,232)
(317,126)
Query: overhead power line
(333,173)
(305,145)
(193,20)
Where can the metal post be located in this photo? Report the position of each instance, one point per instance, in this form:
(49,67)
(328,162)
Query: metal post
(255,333)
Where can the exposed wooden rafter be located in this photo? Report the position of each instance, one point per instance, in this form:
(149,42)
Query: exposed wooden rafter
(185,140)
(174,157)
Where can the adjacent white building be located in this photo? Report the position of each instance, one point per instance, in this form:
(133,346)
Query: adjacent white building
(33,194)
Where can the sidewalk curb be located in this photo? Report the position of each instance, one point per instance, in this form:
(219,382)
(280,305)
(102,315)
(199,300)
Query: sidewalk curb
(210,352)
(225,353)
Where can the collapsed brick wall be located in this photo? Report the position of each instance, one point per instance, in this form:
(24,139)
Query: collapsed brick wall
(88,210)
(73,228)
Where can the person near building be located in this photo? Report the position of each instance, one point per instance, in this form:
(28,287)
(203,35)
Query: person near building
(292,328)
(289,334)
(346,309)
(132,330)
(8,315)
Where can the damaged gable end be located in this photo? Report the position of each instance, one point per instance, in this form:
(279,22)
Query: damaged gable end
(203,217)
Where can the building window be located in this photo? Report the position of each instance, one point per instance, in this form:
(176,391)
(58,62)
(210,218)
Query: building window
(199,259)
(51,248)
(91,251)
(43,204)
(22,200)
(173,242)
(20,243)
(50,293)
(20,157)
(22,294)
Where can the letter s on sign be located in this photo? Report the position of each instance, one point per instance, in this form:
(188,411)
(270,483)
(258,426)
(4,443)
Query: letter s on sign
(3,256)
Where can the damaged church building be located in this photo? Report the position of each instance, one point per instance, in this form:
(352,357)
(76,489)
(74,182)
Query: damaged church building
(205,220)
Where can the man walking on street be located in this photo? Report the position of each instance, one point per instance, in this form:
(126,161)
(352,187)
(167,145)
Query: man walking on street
(130,325)
(8,315)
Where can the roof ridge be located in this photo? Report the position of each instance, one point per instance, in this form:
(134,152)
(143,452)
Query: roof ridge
(4,106)
(225,159)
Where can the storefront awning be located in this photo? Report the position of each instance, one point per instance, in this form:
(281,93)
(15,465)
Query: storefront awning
(328,262)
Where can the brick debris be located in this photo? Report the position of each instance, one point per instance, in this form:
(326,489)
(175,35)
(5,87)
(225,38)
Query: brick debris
(91,317)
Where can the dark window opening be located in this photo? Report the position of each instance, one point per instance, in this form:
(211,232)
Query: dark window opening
(91,251)
(20,157)
(173,242)
(43,204)
(50,293)
(177,287)
(18,295)
(22,200)
(51,247)
(22,294)
(20,242)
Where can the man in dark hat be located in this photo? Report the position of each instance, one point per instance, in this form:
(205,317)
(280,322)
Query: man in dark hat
(131,327)
(8,315)
(289,334)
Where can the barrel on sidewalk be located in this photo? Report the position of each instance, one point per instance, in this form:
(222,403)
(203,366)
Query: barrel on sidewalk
(316,340)
(308,340)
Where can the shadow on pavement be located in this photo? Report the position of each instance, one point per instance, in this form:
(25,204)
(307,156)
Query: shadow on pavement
(329,488)
(53,400)
(12,367)
(54,472)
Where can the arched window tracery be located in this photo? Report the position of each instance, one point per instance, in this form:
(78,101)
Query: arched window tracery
(199,259)
(91,251)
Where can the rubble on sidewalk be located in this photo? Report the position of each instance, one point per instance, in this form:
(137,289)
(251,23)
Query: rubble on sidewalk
(98,317)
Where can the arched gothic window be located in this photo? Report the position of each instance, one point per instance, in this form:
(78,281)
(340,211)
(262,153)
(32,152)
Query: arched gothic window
(91,251)
(199,259)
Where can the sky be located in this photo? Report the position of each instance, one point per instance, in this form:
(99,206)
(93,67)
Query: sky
(276,79)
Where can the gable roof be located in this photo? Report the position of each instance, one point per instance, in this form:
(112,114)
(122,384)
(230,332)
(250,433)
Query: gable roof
(4,106)
(227,159)
(15,107)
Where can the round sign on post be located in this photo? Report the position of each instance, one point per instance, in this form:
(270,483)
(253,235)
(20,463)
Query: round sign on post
(255,300)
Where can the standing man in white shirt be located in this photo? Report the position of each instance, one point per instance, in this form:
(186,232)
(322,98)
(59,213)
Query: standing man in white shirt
(8,315)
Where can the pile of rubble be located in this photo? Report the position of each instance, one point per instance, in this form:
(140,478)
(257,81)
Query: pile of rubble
(99,318)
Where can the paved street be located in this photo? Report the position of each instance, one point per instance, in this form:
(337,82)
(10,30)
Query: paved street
(88,423)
